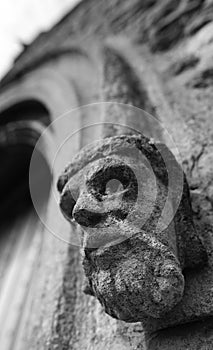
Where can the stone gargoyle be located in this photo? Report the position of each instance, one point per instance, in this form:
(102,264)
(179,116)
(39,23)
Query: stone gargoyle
(116,190)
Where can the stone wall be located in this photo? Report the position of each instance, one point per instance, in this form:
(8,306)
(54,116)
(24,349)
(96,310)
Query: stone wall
(167,45)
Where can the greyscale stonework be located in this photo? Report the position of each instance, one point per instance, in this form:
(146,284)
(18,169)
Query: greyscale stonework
(135,271)
(152,54)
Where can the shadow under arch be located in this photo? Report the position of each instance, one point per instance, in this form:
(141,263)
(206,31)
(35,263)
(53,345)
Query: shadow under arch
(30,109)
(21,126)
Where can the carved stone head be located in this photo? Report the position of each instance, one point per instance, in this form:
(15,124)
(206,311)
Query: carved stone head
(116,190)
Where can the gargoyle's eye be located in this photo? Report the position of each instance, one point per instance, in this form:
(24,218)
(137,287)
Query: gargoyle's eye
(113,186)
(113,178)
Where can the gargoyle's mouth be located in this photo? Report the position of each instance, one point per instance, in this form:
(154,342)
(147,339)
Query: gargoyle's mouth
(89,251)
(86,218)
(89,219)
(109,232)
(94,245)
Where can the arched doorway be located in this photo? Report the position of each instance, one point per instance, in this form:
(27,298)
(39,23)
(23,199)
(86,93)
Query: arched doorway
(20,228)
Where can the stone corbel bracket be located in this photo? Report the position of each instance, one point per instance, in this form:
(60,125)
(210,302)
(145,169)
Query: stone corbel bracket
(138,274)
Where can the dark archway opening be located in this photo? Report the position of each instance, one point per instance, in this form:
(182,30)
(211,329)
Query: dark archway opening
(21,233)
(17,142)
(15,196)
(26,110)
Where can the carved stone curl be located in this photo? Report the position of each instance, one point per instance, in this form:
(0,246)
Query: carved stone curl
(116,189)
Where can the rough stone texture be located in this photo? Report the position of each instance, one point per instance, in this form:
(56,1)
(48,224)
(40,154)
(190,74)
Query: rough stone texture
(133,266)
(191,127)
(59,315)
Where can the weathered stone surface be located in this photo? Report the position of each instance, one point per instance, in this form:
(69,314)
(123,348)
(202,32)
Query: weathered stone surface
(160,23)
(170,21)
(203,79)
(188,115)
(61,317)
(133,266)
(180,66)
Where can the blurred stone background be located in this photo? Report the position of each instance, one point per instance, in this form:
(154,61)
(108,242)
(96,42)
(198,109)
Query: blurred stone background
(168,46)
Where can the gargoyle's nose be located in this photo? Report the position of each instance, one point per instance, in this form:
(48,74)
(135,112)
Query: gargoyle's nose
(86,218)
(87,212)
